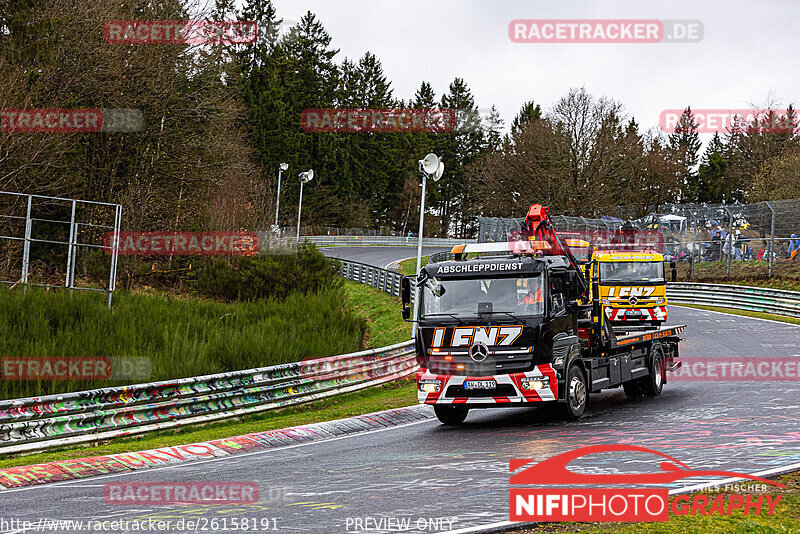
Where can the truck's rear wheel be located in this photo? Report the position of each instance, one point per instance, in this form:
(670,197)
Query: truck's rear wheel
(652,384)
(576,395)
(450,415)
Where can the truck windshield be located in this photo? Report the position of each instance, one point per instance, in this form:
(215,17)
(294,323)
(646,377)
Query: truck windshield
(632,272)
(468,298)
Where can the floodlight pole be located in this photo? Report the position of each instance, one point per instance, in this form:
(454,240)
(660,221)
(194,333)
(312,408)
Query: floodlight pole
(300,208)
(278,200)
(419,250)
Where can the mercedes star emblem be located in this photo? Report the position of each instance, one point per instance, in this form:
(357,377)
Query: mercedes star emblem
(479,351)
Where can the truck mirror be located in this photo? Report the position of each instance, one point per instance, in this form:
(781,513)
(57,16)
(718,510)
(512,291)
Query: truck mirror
(405,291)
(406,313)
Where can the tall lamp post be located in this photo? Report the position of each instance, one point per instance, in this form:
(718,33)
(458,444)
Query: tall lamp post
(431,167)
(304,177)
(282,167)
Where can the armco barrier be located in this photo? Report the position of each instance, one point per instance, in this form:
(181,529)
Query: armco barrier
(774,301)
(43,422)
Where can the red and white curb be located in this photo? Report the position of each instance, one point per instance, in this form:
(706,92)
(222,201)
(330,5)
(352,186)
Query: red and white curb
(63,470)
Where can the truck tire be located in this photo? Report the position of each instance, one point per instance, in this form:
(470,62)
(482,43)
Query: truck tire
(652,384)
(576,396)
(450,415)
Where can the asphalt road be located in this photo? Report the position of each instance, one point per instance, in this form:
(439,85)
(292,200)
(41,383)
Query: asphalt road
(440,478)
(432,474)
(378,256)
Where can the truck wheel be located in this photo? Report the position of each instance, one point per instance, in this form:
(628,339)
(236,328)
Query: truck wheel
(450,415)
(633,389)
(652,384)
(576,396)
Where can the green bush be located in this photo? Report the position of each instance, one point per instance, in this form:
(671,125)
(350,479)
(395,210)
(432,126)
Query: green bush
(273,276)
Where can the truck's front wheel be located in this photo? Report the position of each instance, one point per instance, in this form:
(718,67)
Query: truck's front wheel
(450,415)
(575,393)
(653,383)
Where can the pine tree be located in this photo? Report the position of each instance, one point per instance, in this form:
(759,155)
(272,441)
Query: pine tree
(685,144)
(527,114)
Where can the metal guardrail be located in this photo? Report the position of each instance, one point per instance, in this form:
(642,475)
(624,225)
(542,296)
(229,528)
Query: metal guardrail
(44,422)
(774,301)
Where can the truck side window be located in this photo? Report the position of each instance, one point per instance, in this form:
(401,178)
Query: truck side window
(557,300)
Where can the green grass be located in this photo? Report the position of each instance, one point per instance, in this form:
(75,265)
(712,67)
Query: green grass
(392,395)
(180,336)
(786,519)
(409,266)
(384,327)
(786,274)
(745,313)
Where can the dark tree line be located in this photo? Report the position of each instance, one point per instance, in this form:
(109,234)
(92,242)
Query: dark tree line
(219,119)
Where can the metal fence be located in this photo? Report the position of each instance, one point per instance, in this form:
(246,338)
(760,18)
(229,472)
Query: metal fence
(44,422)
(694,233)
(37,232)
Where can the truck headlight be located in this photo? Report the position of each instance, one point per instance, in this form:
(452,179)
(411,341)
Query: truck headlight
(660,300)
(541,382)
(430,386)
(558,361)
(605,301)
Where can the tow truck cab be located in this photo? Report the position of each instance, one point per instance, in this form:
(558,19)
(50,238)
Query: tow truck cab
(632,287)
(510,330)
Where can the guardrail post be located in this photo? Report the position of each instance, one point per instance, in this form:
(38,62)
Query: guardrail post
(729,239)
(771,239)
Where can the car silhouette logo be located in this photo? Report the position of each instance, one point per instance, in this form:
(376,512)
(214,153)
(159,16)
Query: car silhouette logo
(633,301)
(554,470)
(479,351)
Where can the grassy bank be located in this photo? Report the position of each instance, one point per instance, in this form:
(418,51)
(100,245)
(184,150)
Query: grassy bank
(786,274)
(409,266)
(180,337)
(384,326)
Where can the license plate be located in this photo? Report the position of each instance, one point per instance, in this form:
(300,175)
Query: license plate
(480,384)
(633,313)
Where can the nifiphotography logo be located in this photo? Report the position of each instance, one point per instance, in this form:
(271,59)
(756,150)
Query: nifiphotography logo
(620,504)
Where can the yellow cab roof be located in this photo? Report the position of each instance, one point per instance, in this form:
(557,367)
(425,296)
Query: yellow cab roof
(606,256)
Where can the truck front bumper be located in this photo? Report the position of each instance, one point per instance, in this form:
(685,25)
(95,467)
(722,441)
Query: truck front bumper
(537,385)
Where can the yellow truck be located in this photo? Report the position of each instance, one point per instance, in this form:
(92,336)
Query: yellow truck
(632,287)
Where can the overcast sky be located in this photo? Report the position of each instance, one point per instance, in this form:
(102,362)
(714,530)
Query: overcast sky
(747,54)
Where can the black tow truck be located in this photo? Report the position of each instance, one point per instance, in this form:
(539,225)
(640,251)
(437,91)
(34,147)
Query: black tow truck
(516,326)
